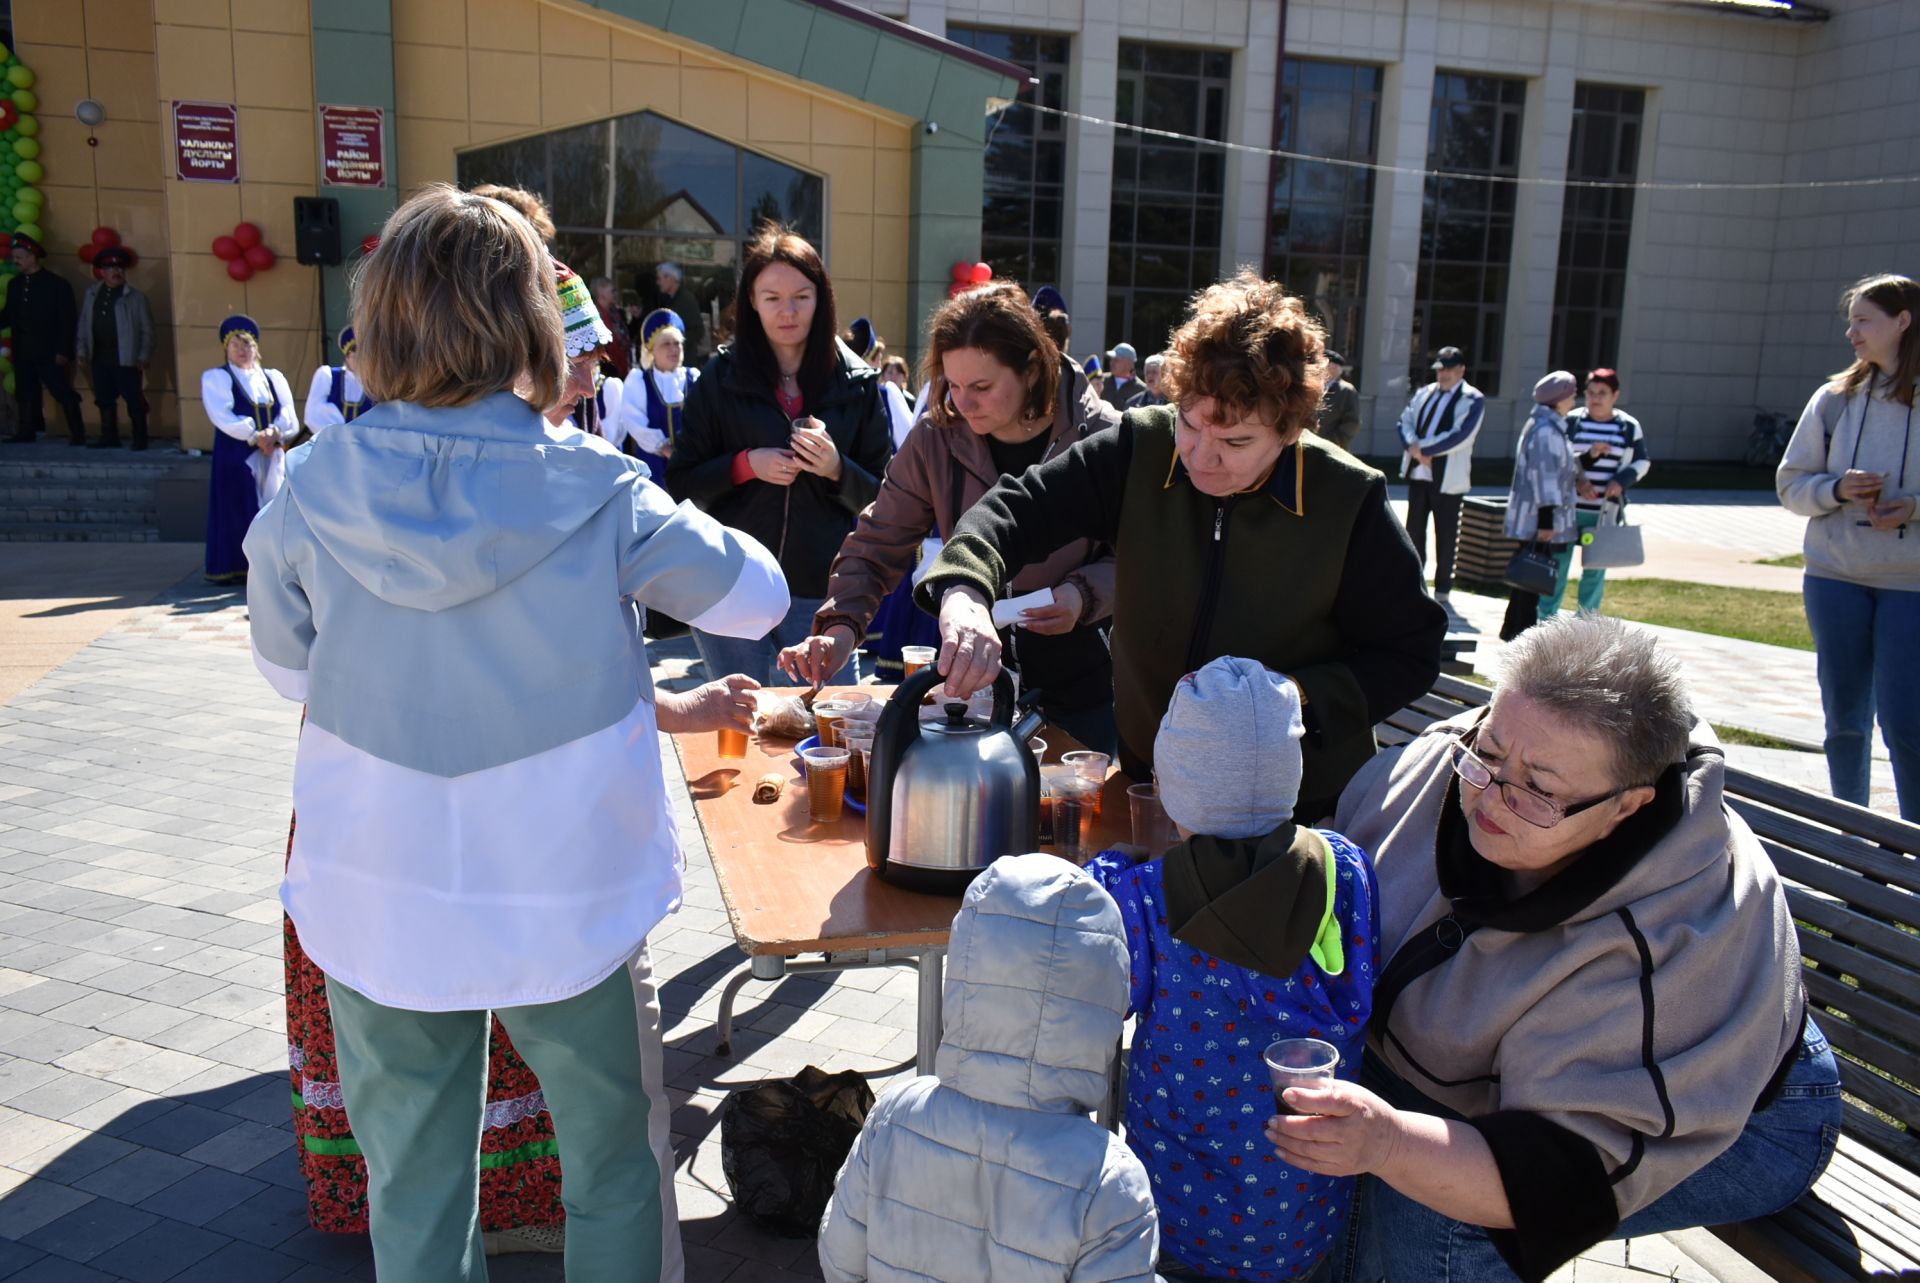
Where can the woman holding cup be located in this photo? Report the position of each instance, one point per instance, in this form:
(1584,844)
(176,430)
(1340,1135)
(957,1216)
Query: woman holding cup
(1852,468)
(784,437)
(1004,399)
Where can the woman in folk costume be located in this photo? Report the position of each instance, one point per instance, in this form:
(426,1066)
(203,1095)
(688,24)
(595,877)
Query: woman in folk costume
(336,396)
(589,401)
(432,878)
(656,392)
(252,411)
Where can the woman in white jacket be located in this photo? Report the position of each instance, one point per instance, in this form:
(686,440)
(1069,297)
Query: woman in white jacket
(1853,469)
(454,586)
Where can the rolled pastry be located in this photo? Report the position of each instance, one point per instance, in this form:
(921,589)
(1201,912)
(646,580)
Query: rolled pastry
(767,788)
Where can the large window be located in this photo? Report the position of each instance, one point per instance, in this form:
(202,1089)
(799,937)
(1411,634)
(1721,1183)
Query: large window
(1595,227)
(1466,232)
(1026,159)
(1321,222)
(1167,193)
(631,193)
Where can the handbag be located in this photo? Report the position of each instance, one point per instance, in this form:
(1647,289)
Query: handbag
(1611,543)
(1534,567)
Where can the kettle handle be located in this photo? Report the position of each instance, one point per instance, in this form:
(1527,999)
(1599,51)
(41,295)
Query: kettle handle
(899,729)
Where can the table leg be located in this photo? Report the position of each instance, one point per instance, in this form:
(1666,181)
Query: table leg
(763,967)
(932,966)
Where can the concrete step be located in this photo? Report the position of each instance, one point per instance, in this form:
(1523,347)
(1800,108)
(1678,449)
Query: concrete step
(81,515)
(66,494)
(102,469)
(77,532)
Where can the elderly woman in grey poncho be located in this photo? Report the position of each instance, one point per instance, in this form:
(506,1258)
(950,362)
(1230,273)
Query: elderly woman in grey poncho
(1546,482)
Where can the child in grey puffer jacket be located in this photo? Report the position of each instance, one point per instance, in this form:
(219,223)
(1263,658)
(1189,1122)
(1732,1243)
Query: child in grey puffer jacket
(991,1170)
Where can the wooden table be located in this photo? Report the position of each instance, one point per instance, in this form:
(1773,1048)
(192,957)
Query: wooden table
(794,887)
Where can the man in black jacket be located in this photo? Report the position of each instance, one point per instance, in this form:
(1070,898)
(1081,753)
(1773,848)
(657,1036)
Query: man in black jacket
(40,310)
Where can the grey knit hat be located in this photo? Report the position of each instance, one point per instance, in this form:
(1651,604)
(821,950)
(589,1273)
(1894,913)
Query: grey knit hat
(1227,758)
(1555,388)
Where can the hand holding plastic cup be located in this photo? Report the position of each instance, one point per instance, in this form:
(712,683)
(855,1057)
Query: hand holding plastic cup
(1299,1062)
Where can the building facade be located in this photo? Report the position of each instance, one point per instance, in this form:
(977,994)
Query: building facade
(1711,302)
(658,130)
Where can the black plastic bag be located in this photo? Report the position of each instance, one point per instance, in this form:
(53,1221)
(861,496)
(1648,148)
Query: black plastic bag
(782,1144)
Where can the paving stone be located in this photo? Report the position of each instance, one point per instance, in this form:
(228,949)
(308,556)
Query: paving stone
(44,996)
(121,1112)
(67,1094)
(137,1175)
(245,1263)
(57,1269)
(20,1076)
(35,1203)
(178,989)
(93,1007)
(201,1195)
(267,1219)
(89,1230)
(180,1129)
(165,1250)
(241,1147)
(15,1257)
(108,1056)
(198,1032)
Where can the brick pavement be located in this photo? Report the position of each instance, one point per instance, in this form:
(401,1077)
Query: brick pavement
(145,1131)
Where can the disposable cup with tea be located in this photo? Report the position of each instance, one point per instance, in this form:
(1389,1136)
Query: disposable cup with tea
(916,658)
(826,783)
(733,741)
(1299,1062)
(1073,815)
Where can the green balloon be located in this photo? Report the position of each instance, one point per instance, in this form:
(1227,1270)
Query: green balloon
(29,127)
(21,77)
(24,213)
(25,99)
(33,196)
(8,384)
(31,229)
(5,53)
(29,171)
(27,148)
(9,135)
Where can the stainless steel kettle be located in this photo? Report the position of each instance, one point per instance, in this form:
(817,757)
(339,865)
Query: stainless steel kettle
(948,797)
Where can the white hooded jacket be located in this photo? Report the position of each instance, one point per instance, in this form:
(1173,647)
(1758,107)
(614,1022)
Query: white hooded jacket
(991,1170)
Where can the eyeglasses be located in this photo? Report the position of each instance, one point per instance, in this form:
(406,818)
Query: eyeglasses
(1536,809)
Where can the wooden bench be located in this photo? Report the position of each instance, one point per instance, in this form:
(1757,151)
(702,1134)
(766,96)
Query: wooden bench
(1853,884)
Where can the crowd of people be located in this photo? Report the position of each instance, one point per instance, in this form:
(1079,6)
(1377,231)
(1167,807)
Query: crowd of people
(1559,973)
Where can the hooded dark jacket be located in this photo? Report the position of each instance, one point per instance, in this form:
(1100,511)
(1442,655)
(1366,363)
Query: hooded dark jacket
(730,410)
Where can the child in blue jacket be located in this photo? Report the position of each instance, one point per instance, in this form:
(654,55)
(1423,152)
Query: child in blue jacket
(1252,928)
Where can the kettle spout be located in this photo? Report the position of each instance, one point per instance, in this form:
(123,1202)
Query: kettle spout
(1030,721)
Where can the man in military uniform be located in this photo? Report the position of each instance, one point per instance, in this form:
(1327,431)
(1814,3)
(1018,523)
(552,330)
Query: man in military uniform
(40,310)
(115,338)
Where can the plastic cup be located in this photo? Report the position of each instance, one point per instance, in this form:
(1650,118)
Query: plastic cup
(1299,1062)
(1153,830)
(916,658)
(858,740)
(1050,777)
(1089,764)
(827,714)
(1074,809)
(826,783)
(733,741)
(1039,747)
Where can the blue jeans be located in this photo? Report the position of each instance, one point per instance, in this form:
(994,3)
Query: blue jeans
(754,657)
(1862,636)
(1775,1161)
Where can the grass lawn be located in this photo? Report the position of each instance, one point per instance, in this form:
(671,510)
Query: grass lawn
(1752,614)
(1751,739)
(1793,561)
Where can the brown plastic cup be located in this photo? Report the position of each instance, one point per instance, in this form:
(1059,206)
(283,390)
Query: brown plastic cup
(733,742)
(915,658)
(826,783)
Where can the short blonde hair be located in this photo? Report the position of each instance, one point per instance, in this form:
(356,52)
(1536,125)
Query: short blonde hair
(1252,347)
(527,204)
(457,303)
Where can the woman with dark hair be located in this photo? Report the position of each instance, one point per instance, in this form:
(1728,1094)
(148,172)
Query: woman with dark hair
(785,436)
(1003,400)
(1233,534)
(1853,469)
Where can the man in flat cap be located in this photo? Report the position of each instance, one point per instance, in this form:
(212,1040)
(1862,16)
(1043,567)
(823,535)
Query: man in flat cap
(115,338)
(39,308)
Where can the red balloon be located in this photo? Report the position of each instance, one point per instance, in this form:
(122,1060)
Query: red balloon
(981,273)
(133,259)
(956,289)
(105,238)
(9,114)
(239,269)
(87,252)
(962,273)
(248,234)
(259,258)
(225,247)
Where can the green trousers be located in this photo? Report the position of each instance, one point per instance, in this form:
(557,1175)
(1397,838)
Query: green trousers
(416,1084)
(1593,583)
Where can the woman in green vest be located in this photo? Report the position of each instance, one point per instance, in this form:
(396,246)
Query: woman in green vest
(1234,533)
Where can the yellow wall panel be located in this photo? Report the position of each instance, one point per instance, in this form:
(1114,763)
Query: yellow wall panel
(569,33)
(270,207)
(504,88)
(276,146)
(573,90)
(502,24)
(193,64)
(892,183)
(198,212)
(429,83)
(427,152)
(48,22)
(123,84)
(849,172)
(646,86)
(714,100)
(833,123)
(287,17)
(889,248)
(628,47)
(850,244)
(118,24)
(776,113)
(890,315)
(203,291)
(273,70)
(285,298)
(128,156)
(61,72)
(216,14)
(141,220)
(428,22)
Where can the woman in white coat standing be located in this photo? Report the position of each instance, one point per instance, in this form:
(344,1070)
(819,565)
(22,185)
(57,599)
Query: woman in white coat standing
(252,412)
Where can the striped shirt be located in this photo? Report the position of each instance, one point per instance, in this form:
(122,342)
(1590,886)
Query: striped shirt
(1626,463)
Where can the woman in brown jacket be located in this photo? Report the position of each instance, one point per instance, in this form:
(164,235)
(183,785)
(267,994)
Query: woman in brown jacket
(1002,399)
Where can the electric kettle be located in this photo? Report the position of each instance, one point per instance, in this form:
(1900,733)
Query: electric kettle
(948,797)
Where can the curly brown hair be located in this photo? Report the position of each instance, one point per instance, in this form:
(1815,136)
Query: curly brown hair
(995,318)
(527,204)
(1254,349)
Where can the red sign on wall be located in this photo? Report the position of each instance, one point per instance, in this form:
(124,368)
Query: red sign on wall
(206,142)
(353,147)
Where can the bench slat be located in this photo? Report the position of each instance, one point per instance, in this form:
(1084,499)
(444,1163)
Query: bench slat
(1902,1175)
(1857,929)
(1826,810)
(1858,892)
(1880,1141)
(1876,975)
(1852,1193)
(1852,853)
(1864,1085)
(1888,1025)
